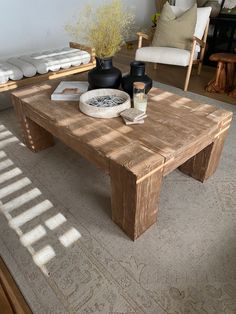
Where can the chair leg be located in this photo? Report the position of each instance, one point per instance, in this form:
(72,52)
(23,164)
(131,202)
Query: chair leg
(199,69)
(190,65)
(187,77)
(200,61)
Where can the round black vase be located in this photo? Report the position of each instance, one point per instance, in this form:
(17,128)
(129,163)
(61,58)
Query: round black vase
(104,75)
(137,74)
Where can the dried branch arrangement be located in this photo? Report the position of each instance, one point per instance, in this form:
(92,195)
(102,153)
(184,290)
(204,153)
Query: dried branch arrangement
(104,28)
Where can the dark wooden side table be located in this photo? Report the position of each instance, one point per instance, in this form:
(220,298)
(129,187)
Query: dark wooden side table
(224,79)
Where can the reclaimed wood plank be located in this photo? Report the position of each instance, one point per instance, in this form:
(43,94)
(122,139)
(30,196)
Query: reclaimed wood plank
(35,137)
(204,164)
(135,184)
(178,132)
(70,139)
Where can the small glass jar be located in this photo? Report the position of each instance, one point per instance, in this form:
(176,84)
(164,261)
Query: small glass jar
(139,96)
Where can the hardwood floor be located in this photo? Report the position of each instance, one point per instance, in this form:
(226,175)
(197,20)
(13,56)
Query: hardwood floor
(11,299)
(174,75)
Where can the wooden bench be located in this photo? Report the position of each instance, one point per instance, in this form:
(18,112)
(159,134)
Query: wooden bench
(53,75)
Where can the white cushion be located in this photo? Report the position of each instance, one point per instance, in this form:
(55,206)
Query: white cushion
(203,15)
(9,71)
(53,60)
(57,59)
(4,77)
(26,68)
(52,53)
(38,64)
(164,55)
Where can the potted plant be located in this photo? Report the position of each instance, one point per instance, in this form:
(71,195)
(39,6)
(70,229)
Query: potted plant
(104,28)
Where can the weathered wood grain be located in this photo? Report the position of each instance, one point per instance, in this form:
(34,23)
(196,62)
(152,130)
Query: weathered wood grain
(34,136)
(204,164)
(224,78)
(178,132)
(135,184)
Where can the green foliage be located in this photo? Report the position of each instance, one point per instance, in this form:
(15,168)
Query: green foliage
(155,17)
(104,28)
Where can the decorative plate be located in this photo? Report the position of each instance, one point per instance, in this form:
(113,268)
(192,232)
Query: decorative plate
(104,103)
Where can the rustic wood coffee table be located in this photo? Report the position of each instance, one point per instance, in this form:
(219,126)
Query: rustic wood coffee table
(178,132)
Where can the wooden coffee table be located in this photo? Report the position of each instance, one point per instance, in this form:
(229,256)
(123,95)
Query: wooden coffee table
(178,132)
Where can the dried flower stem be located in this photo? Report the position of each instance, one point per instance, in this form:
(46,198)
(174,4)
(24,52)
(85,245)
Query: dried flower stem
(104,28)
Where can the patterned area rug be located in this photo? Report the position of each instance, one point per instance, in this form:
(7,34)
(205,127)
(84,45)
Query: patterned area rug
(67,256)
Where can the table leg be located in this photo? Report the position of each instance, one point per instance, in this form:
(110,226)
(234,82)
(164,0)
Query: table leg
(134,202)
(204,164)
(219,82)
(233,93)
(230,76)
(34,136)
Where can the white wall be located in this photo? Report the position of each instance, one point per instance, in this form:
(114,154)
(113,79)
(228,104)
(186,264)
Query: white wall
(33,25)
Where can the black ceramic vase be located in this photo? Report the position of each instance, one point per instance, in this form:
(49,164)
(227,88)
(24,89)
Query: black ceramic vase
(104,75)
(137,74)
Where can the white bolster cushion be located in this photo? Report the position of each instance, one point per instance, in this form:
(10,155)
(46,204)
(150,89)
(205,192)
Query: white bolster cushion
(9,71)
(38,64)
(56,59)
(27,69)
(52,53)
(4,77)
(85,56)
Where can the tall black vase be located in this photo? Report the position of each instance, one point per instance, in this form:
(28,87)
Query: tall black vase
(104,75)
(137,74)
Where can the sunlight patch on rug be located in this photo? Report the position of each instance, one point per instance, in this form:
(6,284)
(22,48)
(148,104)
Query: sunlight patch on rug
(12,182)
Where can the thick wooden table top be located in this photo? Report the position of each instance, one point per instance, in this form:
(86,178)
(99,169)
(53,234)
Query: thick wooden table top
(175,130)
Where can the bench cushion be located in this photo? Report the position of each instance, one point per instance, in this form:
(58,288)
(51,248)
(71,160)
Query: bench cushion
(42,63)
(9,71)
(26,68)
(57,59)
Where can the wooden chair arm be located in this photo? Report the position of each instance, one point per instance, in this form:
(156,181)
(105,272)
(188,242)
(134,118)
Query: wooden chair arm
(145,36)
(140,38)
(199,41)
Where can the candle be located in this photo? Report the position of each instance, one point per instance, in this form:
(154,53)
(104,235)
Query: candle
(140,102)
(139,96)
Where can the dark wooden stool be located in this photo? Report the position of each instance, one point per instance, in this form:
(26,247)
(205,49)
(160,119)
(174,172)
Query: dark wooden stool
(224,79)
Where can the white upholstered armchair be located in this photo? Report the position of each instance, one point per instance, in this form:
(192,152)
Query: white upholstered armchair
(176,56)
